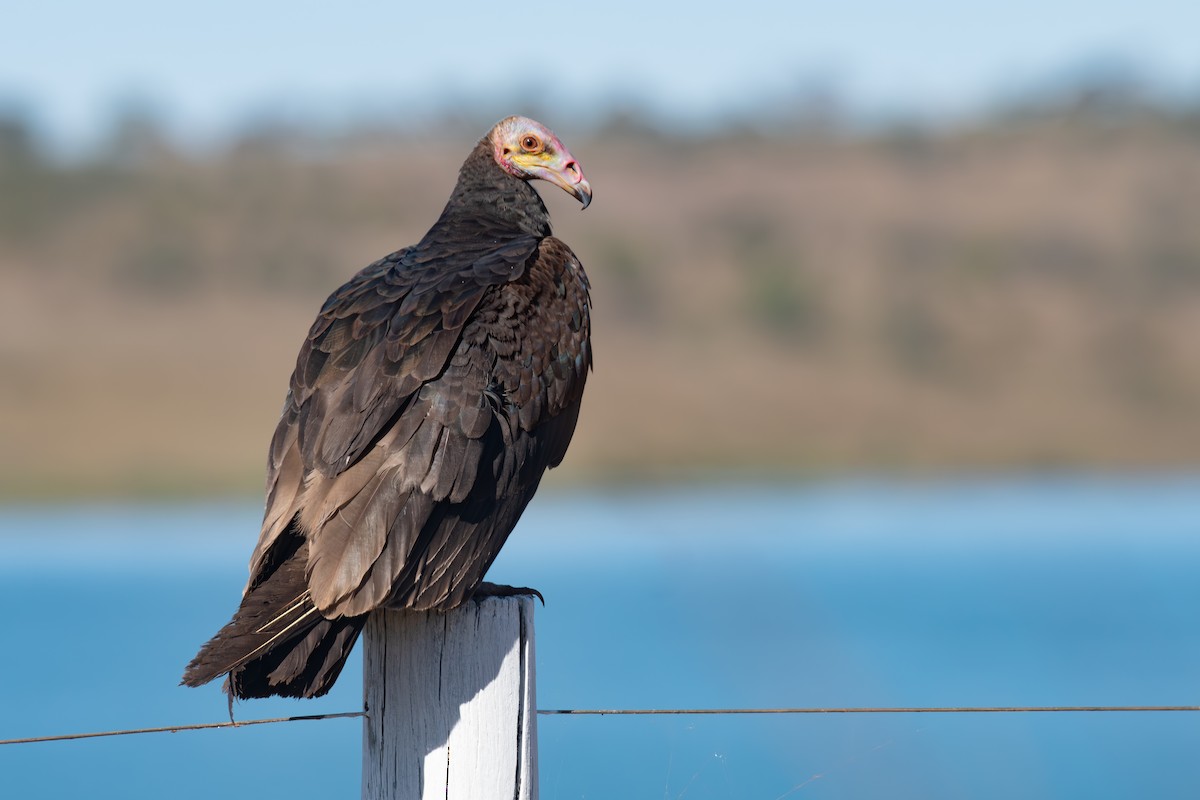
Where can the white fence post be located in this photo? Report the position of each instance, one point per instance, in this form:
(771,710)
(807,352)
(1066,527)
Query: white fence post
(451,703)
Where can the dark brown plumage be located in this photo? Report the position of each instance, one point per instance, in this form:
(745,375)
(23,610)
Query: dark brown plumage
(433,391)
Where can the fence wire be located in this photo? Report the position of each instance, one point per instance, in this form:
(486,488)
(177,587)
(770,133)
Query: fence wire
(176,728)
(863,710)
(604,712)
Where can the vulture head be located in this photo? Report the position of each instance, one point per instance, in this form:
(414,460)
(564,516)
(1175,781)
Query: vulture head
(530,151)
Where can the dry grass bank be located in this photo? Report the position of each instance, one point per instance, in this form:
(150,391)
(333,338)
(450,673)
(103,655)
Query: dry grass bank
(1011,297)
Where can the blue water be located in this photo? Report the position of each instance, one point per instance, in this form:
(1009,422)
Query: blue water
(1039,591)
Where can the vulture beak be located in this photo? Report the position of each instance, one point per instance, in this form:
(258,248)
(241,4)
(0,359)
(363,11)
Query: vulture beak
(583,192)
(560,168)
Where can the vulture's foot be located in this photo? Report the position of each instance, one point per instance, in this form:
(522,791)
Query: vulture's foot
(497,590)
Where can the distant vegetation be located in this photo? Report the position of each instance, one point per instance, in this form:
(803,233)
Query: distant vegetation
(1020,292)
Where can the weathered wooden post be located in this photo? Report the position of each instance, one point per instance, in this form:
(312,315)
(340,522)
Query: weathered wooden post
(451,705)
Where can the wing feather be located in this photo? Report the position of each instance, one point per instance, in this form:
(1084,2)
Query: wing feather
(427,402)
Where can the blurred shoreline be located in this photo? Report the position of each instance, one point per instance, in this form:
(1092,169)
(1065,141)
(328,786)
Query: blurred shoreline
(1019,293)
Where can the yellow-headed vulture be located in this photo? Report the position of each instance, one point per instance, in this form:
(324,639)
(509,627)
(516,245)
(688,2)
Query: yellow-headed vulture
(433,391)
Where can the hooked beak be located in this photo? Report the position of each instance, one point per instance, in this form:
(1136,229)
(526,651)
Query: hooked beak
(582,192)
(563,171)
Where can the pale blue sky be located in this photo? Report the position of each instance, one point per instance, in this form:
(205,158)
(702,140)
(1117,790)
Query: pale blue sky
(208,66)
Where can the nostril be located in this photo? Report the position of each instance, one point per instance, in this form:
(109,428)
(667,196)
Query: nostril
(572,168)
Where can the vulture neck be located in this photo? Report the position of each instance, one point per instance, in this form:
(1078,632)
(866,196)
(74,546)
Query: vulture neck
(488,198)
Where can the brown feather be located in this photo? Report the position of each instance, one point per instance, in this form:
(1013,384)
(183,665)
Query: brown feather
(432,392)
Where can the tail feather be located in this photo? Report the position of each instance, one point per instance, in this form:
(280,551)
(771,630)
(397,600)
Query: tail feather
(299,668)
(277,642)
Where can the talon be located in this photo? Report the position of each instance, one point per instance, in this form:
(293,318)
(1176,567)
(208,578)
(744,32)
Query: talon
(486,589)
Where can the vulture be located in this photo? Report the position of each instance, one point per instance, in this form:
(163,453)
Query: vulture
(432,393)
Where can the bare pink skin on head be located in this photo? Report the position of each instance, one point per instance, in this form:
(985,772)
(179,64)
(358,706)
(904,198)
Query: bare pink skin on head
(527,149)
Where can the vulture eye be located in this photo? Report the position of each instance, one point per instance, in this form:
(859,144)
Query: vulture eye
(530,143)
